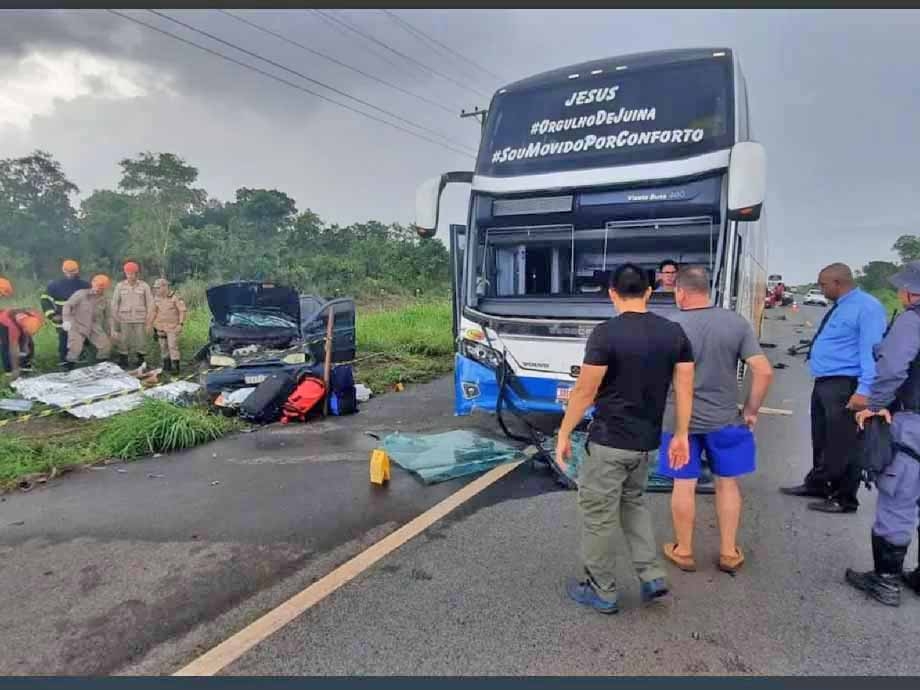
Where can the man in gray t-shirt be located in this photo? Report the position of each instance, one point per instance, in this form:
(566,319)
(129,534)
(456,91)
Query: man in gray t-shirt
(720,339)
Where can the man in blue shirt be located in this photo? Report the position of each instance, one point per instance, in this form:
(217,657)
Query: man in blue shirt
(842,363)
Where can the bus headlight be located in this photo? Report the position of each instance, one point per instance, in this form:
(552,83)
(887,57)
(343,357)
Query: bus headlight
(481,353)
(222,361)
(295,358)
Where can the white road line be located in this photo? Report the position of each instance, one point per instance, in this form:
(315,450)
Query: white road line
(231,649)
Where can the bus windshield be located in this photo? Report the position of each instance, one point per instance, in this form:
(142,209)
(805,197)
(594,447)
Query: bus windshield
(599,120)
(558,261)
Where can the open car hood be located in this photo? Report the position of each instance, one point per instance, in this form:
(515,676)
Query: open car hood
(224,300)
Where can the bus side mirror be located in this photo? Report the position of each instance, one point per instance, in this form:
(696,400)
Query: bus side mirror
(747,181)
(428,201)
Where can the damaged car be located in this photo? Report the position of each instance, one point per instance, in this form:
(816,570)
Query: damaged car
(258,329)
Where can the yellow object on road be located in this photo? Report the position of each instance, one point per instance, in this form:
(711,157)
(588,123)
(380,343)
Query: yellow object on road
(380,467)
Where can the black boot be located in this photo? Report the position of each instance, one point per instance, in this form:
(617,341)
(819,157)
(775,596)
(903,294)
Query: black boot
(912,580)
(122,361)
(175,367)
(883,583)
(167,366)
(141,357)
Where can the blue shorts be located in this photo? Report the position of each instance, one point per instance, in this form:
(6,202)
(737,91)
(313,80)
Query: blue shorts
(731,452)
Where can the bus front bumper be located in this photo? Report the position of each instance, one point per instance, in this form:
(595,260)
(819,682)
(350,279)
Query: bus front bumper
(476,388)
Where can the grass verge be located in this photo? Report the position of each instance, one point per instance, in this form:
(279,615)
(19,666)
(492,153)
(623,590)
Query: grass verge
(154,427)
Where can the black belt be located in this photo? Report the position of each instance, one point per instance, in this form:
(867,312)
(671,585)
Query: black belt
(819,379)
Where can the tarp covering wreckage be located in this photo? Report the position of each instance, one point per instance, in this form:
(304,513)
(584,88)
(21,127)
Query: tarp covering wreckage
(439,457)
(80,391)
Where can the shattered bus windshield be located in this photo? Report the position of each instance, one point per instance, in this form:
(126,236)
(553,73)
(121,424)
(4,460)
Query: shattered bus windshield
(652,114)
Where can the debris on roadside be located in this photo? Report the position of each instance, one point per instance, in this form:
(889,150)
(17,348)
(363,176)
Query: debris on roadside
(233,399)
(15,405)
(102,390)
(439,457)
(362,392)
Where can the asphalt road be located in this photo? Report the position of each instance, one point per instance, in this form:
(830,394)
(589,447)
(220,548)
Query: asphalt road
(115,572)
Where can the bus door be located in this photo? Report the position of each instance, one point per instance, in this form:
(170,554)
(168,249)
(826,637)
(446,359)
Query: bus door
(457,253)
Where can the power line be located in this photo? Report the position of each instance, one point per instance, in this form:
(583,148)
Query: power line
(289,83)
(377,53)
(431,39)
(411,59)
(309,79)
(336,61)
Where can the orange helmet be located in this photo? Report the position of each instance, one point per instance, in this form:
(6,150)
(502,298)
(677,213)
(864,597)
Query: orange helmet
(100,282)
(6,288)
(132,267)
(30,320)
(70,266)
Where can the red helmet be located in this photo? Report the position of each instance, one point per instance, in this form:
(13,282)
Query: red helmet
(132,267)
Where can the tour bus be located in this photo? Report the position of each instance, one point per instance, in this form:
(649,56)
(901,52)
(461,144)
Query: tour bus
(639,158)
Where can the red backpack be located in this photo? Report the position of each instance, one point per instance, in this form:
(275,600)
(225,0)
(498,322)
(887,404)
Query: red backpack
(305,397)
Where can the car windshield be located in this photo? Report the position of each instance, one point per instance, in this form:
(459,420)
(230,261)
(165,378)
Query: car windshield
(260,319)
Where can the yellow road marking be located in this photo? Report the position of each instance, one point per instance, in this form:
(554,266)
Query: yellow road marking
(231,649)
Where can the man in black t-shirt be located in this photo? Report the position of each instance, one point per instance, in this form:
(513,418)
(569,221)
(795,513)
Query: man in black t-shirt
(630,363)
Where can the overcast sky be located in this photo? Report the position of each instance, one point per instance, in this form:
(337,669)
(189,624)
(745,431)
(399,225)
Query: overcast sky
(834,99)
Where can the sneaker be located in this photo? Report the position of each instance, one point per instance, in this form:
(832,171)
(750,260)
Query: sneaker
(653,589)
(584,593)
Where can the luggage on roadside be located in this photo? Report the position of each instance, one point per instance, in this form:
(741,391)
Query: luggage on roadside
(343,395)
(308,394)
(265,403)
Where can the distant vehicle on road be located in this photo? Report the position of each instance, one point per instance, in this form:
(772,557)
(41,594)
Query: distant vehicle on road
(814,297)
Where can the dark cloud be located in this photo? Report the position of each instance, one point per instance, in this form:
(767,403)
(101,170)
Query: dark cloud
(832,94)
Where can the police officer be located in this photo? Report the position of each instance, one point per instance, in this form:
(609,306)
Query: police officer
(56,294)
(895,396)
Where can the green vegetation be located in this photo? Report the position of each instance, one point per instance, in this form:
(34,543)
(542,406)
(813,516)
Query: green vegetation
(159,427)
(158,217)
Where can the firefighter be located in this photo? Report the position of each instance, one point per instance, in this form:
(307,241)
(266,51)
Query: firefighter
(895,396)
(168,318)
(56,294)
(17,328)
(87,316)
(132,311)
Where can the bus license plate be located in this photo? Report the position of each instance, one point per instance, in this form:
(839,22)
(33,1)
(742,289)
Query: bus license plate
(255,380)
(562,394)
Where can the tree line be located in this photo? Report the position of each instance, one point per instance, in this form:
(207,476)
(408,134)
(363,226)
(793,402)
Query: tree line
(158,217)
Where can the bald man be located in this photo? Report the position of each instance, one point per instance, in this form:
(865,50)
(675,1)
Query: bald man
(843,364)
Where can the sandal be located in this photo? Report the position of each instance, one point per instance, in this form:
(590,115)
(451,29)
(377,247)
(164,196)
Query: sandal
(731,564)
(685,563)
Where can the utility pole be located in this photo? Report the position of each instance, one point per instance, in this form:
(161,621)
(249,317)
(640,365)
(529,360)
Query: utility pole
(478,113)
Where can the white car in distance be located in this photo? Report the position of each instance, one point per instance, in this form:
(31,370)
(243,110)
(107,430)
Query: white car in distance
(816,298)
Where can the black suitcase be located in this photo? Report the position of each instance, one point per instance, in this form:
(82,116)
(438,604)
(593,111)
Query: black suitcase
(263,406)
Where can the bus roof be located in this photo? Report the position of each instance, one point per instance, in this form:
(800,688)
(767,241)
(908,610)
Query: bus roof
(635,61)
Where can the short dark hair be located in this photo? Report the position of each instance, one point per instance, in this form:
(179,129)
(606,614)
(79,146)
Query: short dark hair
(629,280)
(668,262)
(693,279)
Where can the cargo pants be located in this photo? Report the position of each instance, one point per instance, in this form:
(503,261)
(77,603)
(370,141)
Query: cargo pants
(131,338)
(899,485)
(168,337)
(77,341)
(611,498)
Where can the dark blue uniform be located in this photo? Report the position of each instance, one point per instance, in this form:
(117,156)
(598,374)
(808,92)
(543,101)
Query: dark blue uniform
(58,292)
(897,388)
